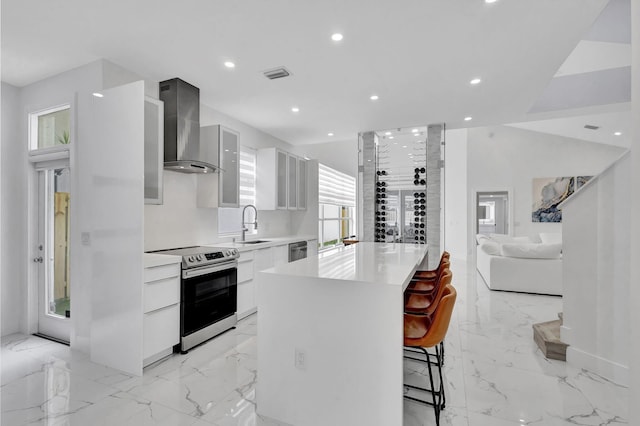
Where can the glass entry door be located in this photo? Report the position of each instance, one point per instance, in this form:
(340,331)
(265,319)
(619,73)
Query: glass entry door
(54,284)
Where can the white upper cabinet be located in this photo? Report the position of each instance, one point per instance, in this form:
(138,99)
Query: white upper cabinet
(153,150)
(302,184)
(230,163)
(292,182)
(221,189)
(277,183)
(281,202)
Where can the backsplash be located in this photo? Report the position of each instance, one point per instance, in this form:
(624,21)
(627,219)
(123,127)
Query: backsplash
(179,223)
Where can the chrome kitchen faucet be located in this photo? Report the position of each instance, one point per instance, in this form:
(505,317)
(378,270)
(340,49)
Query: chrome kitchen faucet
(254,223)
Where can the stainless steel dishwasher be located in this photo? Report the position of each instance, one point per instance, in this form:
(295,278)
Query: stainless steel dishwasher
(297,251)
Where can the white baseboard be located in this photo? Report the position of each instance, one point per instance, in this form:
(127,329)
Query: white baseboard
(610,370)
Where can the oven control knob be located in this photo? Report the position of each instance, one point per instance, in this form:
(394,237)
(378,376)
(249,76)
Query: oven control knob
(191,259)
(199,257)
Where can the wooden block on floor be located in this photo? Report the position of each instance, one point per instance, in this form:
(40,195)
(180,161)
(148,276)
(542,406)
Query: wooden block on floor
(547,337)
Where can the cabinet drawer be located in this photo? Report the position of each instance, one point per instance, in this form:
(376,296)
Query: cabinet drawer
(246,256)
(160,293)
(161,330)
(159,272)
(245,271)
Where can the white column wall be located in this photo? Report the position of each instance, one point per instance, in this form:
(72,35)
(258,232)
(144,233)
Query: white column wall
(455,193)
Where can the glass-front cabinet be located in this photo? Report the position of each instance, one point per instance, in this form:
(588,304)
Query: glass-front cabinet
(229,162)
(302,184)
(153,150)
(282,179)
(292,182)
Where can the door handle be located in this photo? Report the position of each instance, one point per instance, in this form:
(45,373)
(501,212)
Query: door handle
(38,259)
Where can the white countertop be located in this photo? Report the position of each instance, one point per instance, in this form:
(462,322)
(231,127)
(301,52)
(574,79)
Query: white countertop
(381,263)
(270,242)
(151,259)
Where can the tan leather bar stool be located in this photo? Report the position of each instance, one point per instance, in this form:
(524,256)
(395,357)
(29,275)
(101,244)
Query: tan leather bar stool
(428,331)
(433,273)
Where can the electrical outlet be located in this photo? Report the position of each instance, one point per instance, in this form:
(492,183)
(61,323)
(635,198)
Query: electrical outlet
(300,359)
(85,238)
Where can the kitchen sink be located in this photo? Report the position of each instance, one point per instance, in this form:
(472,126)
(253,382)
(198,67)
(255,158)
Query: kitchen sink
(253,242)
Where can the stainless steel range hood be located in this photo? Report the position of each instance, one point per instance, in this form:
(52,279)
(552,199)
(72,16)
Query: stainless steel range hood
(182,151)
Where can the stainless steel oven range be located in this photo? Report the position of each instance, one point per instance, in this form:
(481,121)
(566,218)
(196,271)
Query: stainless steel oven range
(208,293)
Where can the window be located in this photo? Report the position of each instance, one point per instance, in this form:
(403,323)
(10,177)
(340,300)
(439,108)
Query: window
(50,128)
(337,211)
(229,219)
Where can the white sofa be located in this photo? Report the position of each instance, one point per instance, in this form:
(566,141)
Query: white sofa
(517,265)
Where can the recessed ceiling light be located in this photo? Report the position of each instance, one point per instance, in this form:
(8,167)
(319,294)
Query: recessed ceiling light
(404,146)
(395,143)
(98,95)
(295,109)
(416,134)
(475,81)
(374,97)
(617,133)
(329,134)
(387,133)
(336,37)
(468,118)
(229,64)
(414,130)
(490,1)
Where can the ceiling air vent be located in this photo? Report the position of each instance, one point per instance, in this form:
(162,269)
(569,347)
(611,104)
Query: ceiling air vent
(591,127)
(275,73)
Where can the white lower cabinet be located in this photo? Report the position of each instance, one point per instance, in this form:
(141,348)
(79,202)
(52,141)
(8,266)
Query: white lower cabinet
(280,254)
(161,317)
(250,262)
(263,260)
(246,289)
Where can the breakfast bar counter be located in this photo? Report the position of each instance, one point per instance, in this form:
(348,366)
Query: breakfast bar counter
(330,334)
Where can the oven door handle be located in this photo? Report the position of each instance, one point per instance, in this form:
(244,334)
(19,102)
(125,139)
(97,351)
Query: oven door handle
(190,273)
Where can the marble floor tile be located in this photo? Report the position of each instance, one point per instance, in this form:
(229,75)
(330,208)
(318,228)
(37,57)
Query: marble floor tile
(494,375)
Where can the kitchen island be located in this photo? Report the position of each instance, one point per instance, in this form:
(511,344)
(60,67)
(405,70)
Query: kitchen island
(330,334)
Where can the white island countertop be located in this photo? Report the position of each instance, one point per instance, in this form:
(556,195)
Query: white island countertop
(331,334)
(379,263)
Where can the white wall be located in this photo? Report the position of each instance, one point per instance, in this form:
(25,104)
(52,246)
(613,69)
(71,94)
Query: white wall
(503,157)
(178,222)
(339,155)
(596,243)
(20,102)
(13,204)
(634,297)
(455,193)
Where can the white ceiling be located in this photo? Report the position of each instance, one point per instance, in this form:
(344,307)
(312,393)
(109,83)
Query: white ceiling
(417,55)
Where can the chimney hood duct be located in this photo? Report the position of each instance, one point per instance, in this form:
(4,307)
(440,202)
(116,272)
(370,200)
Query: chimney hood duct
(182,151)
